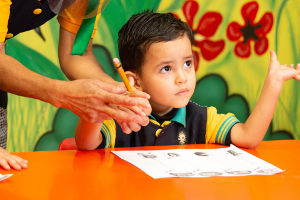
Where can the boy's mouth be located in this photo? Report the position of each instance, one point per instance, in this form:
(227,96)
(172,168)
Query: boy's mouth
(182,92)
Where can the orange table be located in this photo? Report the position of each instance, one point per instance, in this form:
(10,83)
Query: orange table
(99,174)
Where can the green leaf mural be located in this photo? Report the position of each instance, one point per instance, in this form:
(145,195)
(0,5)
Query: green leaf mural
(64,125)
(212,90)
(33,60)
(277,135)
(103,56)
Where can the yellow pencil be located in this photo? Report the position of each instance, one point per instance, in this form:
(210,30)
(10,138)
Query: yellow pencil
(122,74)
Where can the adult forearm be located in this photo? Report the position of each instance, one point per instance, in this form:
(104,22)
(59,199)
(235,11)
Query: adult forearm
(91,99)
(17,79)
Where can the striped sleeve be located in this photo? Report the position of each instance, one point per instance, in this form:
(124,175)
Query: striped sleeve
(109,132)
(218,126)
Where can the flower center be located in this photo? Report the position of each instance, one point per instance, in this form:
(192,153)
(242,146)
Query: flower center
(198,37)
(248,31)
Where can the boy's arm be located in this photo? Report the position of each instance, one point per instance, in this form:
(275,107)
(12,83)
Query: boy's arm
(88,135)
(251,133)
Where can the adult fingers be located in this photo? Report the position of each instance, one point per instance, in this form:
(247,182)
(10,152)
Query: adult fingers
(116,87)
(144,102)
(23,163)
(147,110)
(119,88)
(125,127)
(93,115)
(111,111)
(131,81)
(14,164)
(4,164)
(131,125)
(134,126)
(144,119)
(137,93)
(136,110)
(121,114)
(124,100)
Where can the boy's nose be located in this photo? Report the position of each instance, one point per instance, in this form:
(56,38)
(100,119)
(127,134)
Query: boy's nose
(181,77)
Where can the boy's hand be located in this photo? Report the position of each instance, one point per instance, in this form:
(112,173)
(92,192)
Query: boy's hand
(282,73)
(8,161)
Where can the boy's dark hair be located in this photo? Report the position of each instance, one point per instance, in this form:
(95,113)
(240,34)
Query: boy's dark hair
(142,30)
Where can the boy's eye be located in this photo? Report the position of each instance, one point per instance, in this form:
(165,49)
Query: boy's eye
(165,69)
(188,63)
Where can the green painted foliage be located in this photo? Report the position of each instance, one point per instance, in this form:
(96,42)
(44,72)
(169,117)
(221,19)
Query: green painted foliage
(212,90)
(33,60)
(64,125)
(104,57)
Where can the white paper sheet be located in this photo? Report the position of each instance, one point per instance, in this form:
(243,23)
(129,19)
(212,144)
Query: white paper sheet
(230,161)
(4,176)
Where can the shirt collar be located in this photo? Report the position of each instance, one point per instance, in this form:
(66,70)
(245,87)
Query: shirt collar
(179,117)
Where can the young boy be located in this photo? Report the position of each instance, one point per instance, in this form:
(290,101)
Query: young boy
(156,52)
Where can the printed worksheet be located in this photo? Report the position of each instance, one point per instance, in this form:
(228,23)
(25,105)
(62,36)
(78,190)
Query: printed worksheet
(4,176)
(230,161)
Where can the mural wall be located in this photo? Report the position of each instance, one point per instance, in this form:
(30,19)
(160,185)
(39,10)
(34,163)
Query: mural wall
(232,43)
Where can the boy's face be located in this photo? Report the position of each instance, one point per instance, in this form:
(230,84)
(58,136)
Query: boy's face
(168,74)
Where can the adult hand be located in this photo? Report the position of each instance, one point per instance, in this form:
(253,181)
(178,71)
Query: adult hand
(128,127)
(8,161)
(95,101)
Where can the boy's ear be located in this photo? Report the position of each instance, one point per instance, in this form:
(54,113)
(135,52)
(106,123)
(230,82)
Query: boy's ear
(133,80)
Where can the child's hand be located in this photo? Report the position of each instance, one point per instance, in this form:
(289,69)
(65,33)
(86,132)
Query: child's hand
(282,73)
(8,161)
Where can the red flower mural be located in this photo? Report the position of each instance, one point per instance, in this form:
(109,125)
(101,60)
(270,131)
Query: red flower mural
(206,28)
(250,31)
